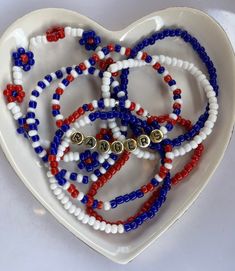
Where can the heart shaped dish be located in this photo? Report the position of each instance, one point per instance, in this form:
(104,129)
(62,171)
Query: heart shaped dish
(121,248)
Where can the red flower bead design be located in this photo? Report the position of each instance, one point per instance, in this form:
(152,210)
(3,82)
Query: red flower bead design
(14,93)
(55,33)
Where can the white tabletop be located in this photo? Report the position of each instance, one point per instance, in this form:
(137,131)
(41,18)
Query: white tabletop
(203,239)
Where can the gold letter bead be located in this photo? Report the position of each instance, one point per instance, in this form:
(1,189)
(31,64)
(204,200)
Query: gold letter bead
(117,147)
(156,136)
(130,145)
(90,142)
(143,141)
(103,146)
(77,138)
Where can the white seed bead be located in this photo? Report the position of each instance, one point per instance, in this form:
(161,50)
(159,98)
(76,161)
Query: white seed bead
(107,205)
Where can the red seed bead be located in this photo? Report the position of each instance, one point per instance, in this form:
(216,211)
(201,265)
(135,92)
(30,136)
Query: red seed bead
(75,194)
(132,106)
(184,173)
(54,171)
(90,107)
(177,91)
(110,47)
(167,78)
(144,55)
(150,187)
(100,205)
(55,107)
(82,66)
(54,164)
(95,57)
(168,148)
(59,91)
(51,158)
(188,167)
(70,78)
(59,123)
(128,52)
(157,66)
(24,58)
(80,111)
(140,112)
(144,189)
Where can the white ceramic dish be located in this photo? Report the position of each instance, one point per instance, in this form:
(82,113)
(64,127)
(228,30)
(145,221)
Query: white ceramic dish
(122,248)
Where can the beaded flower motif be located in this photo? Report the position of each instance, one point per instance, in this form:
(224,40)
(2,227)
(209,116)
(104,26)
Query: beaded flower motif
(89,160)
(55,33)
(14,93)
(90,40)
(23,59)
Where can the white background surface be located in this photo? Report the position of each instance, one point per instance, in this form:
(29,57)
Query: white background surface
(203,239)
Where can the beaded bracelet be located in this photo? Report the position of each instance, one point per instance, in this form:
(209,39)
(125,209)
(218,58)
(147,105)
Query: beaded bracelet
(178,177)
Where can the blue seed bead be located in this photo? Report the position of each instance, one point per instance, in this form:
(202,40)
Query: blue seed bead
(95,204)
(176,111)
(81,165)
(38,149)
(20,130)
(65,127)
(33,104)
(84,199)
(171,82)
(85,107)
(73,176)
(65,82)
(55,112)
(119,200)
(169,126)
(45,158)
(106,165)
(21,50)
(97,173)
(21,121)
(35,93)
(89,168)
(144,216)
(18,62)
(33,127)
(59,133)
(30,115)
(48,78)
(139,193)
(161,70)
(133,195)
(113,156)
(150,214)
(133,225)
(148,59)
(62,181)
(68,70)
(56,96)
(113,204)
(127,227)
(126,198)
(103,116)
(59,74)
(91,70)
(101,103)
(105,50)
(154,182)
(78,70)
(35,138)
(85,179)
(92,117)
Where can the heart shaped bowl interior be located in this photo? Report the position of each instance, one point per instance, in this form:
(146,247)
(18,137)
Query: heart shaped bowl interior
(144,87)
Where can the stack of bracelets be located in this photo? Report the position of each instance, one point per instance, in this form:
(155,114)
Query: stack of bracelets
(127,128)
